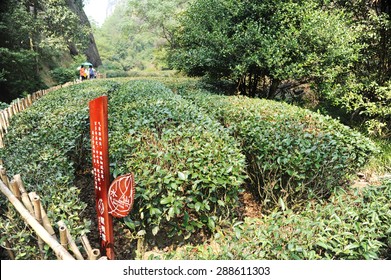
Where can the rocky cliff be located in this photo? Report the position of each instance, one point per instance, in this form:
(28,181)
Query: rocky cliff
(92,52)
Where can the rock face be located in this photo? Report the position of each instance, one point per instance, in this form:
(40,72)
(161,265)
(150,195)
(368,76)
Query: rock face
(92,52)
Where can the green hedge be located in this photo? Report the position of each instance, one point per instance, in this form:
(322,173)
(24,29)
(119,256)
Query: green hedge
(188,169)
(350,226)
(292,154)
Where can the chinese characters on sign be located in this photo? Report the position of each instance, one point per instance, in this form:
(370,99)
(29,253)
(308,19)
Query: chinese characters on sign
(100,162)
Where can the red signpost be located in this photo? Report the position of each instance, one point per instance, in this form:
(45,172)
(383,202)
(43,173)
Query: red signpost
(111,200)
(100,159)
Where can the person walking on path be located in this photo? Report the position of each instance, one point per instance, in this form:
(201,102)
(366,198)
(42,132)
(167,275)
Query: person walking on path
(91,72)
(82,73)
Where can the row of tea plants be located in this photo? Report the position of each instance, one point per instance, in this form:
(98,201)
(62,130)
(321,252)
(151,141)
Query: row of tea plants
(192,154)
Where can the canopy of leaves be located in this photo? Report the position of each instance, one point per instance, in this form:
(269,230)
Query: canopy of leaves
(269,40)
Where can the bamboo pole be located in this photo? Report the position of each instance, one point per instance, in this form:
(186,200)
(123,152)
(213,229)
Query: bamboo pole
(93,254)
(71,242)
(3,176)
(40,230)
(15,189)
(46,223)
(63,236)
(86,244)
(25,198)
(38,216)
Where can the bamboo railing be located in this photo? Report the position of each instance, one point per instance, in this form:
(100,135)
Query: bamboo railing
(29,206)
(19,105)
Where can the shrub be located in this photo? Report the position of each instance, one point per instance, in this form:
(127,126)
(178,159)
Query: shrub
(352,226)
(292,154)
(3,106)
(188,169)
(63,75)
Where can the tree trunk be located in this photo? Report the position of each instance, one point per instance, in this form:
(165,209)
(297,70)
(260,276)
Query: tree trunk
(273,88)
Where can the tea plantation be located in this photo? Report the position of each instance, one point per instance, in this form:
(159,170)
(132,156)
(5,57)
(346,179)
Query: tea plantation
(194,154)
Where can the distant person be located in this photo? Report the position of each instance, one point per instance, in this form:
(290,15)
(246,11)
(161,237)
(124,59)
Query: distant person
(82,73)
(91,72)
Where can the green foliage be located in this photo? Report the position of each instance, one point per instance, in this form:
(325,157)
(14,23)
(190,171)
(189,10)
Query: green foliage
(19,73)
(62,75)
(351,226)
(292,153)
(135,35)
(187,150)
(188,170)
(35,35)
(3,105)
(267,41)
(365,93)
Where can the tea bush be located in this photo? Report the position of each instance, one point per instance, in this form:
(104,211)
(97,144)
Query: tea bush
(351,226)
(292,153)
(188,169)
(3,105)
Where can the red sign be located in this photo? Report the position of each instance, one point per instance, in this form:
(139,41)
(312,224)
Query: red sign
(121,196)
(100,162)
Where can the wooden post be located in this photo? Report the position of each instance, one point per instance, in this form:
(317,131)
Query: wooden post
(3,176)
(71,242)
(25,198)
(15,188)
(93,254)
(63,236)
(37,212)
(46,223)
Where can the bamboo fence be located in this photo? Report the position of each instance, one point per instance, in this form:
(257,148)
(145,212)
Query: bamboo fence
(21,104)
(29,206)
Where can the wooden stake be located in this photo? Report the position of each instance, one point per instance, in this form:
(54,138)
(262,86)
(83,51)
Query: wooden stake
(46,223)
(71,242)
(25,198)
(93,254)
(4,177)
(15,189)
(38,216)
(63,236)
(40,230)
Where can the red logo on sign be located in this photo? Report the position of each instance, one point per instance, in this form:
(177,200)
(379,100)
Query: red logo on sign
(121,196)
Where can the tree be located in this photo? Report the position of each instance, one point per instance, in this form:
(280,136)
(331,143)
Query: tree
(135,34)
(259,44)
(366,95)
(33,34)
